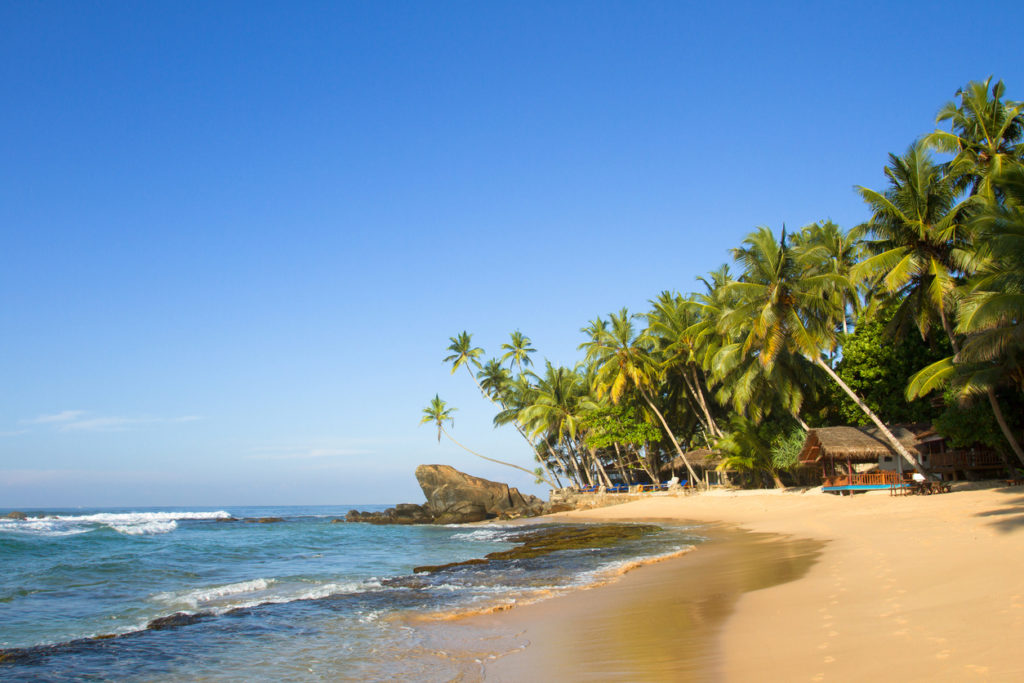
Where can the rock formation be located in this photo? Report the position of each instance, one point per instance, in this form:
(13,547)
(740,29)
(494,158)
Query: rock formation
(454,497)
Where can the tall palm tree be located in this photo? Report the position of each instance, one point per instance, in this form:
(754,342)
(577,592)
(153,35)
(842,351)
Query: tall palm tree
(518,350)
(464,354)
(826,248)
(781,311)
(670,329)
(558,404)
(991,310)
(438,413)
(623,363)
(919,240)
(985,135)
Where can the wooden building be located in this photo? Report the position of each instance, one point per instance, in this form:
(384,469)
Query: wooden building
(861,459)
(705,463)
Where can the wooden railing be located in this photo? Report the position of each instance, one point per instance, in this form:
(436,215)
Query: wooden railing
(882,478)
(965,460)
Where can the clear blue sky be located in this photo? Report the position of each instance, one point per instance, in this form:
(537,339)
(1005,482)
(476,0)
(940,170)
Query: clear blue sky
(237,236)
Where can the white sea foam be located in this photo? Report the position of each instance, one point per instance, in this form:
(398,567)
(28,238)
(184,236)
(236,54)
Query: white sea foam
(146,528)
(219,599)
(487,534)
(41,527)
(133,518)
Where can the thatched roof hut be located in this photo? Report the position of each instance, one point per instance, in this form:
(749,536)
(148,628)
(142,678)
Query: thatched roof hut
(700,459)
(857,444)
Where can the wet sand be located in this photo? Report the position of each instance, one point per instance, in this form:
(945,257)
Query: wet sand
(816,588)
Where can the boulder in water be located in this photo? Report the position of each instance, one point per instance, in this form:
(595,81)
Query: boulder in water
(15,514)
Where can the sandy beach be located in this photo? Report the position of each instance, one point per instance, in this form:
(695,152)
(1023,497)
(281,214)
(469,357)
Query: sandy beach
(795,586)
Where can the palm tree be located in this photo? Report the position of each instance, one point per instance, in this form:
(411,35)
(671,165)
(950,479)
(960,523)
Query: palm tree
(985,135)
(826,248)
(919,239)
(518,350)
(782,311)
(991,310)
(558,404)
(438,413)
(464,354)
(621,363)
(670,329)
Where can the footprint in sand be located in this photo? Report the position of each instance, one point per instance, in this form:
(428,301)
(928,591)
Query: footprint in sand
(942,655)
(829,660)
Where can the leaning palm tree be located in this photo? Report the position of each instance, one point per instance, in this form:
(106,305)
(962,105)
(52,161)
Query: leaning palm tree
(438,413)
(781,311)
(622,363)
(991,311)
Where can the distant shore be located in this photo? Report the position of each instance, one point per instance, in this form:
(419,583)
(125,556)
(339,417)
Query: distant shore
(795,586)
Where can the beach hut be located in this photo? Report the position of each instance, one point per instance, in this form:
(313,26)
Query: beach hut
(705,463)
(861,459)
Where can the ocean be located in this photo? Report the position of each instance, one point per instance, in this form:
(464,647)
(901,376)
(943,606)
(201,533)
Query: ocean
(146,594)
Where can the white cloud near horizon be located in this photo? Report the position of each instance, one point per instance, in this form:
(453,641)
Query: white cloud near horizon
(84,421)
(305,453)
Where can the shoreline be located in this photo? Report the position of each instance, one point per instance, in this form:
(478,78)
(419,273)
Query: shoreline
(909,587)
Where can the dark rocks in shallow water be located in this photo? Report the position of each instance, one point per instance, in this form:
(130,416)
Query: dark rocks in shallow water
(15,514)
(175,620)
(265,520)
(227,519)
(540,542)
(403,513)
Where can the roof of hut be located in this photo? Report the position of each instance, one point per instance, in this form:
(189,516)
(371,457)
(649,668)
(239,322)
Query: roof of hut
(857,444)
(702,457)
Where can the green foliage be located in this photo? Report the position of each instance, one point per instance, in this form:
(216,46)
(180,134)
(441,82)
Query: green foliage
(878,367)
(786,449)
(618,424)
(968,423)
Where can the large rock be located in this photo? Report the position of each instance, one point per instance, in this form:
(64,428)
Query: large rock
(15,514)
(455,497)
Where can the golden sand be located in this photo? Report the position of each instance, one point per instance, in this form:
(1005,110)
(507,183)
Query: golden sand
(813,587)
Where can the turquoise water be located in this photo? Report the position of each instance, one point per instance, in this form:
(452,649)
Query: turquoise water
(303,599)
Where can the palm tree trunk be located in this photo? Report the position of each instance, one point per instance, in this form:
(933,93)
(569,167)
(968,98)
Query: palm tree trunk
(803,425)
(992,400)
(893,441)
(679,450)
(1005,428)
(580,465)
(500,462)
(602,473)
(623,470)
(712,425)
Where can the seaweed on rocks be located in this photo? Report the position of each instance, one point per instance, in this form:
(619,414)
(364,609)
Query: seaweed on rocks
(539,542)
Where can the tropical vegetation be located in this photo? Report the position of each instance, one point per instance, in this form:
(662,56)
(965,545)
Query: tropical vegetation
(913,315)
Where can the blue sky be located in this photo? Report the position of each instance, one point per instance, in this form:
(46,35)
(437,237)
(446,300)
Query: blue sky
(236,237)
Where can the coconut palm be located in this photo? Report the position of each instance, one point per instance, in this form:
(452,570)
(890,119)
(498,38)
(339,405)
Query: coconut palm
(518,350)
(438,413)
(991,310)
(919,240)
(985,135)
(464,354)
(826,248)
(558,404)
(622,363)
(670,328)
(780,311)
